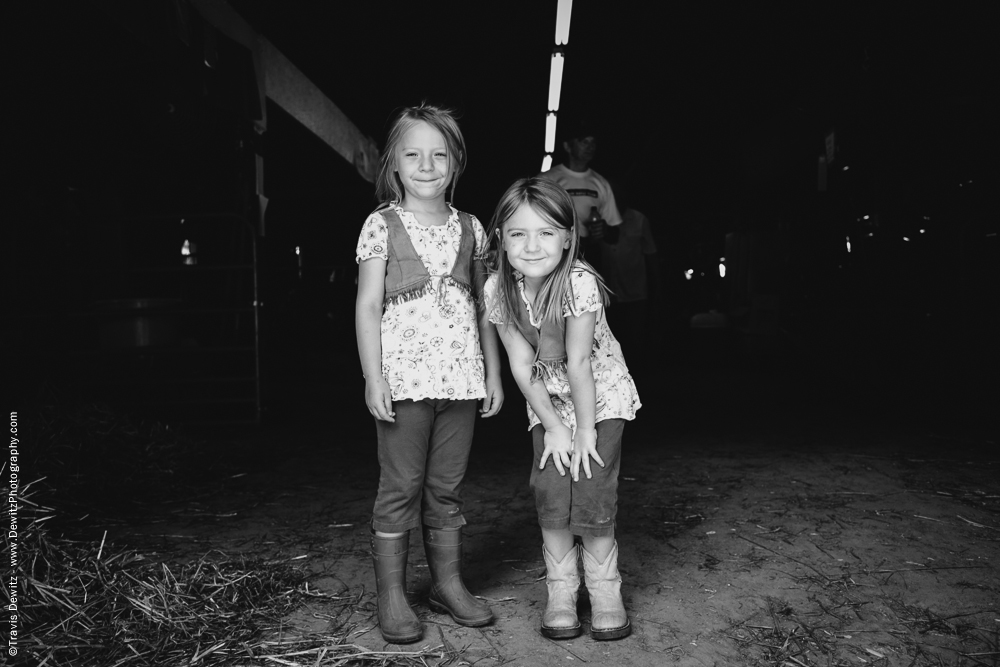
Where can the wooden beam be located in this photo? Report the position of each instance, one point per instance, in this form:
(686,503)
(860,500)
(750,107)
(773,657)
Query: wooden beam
(285,84)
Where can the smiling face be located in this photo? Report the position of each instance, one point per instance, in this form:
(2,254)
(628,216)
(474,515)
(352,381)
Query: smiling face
(533,244)
(423,163)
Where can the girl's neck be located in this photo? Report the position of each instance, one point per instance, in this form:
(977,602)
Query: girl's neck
(427,212)
(531,287)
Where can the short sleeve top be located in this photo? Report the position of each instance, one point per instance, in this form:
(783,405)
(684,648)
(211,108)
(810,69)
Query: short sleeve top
(430,344)
(617,397)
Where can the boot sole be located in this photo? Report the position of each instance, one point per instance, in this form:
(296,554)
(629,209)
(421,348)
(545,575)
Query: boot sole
(467,622)
(611,633)
(562,633)
(403,639)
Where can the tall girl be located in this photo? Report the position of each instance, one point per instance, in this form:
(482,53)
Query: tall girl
(548,306)
(427,357)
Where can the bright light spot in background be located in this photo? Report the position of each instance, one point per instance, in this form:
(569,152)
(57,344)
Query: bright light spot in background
(906,238)
(866,217)
(546,163)
(849,243)
(722,267)
(846,167)
(187,252)
(555,80)
(922,231)
(689,274)
(298,251)
(550,133)
(926,217)
(563,12)
(870,234)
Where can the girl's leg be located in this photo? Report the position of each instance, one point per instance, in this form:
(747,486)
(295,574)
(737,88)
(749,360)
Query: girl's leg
(402,448)
(558,542)
(448,592)
(450,441)
(396,619)
(447,459)
(553,497)
(553,494)
(562,581)
(608,619)
(402,458)
(595,500)
(599,547)
(595,507)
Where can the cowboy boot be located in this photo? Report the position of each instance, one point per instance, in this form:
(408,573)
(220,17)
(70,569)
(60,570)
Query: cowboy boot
(563,582)
(448,593)
(396,620)
(608,619)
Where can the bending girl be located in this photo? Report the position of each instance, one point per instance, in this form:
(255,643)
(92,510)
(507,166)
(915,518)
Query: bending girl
(549,309)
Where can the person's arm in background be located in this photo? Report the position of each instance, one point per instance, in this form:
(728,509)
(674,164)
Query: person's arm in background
(609,211)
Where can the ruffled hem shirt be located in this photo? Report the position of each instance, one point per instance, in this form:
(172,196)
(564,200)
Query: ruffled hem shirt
(617,397)
(430,345)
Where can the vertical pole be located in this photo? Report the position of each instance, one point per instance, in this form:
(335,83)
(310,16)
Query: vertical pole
(256,328)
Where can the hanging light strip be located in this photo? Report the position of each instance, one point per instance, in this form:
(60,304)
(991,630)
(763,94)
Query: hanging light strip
(564,10)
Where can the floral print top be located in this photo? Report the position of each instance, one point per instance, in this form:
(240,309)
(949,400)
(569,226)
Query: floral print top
(430,347)
(617,397)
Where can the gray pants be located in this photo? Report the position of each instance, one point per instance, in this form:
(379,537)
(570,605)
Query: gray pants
(588,507)
(423,456)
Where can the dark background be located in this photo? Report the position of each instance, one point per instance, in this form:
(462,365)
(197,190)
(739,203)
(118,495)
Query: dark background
(713,118)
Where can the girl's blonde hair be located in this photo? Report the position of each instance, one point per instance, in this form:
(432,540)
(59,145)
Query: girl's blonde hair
(388,187)
(552,203)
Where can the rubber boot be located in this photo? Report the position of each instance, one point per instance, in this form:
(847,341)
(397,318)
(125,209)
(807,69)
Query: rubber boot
(448,593)
(563,582)
(608,619)
(396,620)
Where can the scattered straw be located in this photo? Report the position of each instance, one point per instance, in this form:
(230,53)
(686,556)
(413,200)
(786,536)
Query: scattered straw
(92,604)
(95,603)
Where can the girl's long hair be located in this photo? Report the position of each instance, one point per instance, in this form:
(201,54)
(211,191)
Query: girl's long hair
(388,187)
(550,201)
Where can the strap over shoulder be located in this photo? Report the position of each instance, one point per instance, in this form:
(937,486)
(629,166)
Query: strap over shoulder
(388,213)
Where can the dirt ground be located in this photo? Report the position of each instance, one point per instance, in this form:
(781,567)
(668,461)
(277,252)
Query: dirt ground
(761,522)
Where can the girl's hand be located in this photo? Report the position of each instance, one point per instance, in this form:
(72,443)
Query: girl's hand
(379,398)
(559,445)
(494,397)
(584,448)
